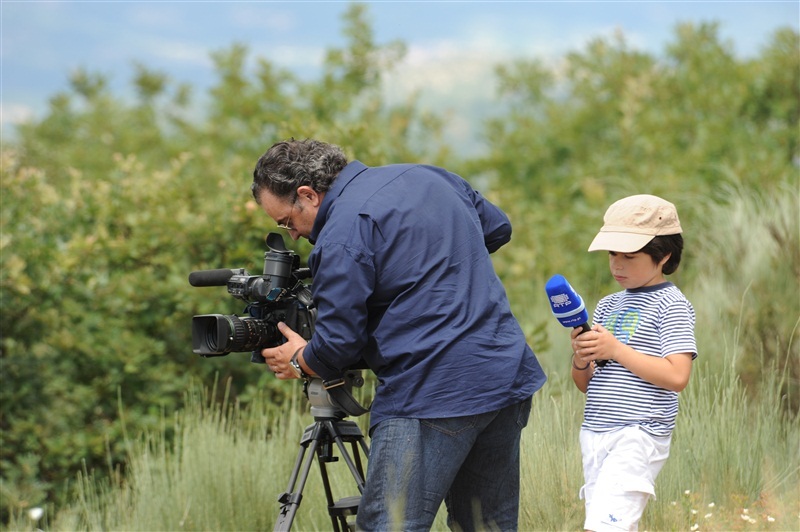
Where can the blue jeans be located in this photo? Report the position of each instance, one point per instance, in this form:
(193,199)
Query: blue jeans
(470,462)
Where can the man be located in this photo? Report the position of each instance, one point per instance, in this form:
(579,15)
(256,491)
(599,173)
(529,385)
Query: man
(403,281)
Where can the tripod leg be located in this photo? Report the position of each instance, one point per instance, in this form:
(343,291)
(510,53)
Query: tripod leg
(290,499)
(355,465)
(364,449)
(338,515)
(318,440)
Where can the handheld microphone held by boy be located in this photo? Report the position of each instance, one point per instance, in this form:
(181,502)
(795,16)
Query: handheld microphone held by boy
(567,305)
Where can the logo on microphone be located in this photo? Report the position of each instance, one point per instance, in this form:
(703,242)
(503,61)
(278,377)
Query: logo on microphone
(560,300)
(566,304)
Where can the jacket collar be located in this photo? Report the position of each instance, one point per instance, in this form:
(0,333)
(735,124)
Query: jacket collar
(344,178)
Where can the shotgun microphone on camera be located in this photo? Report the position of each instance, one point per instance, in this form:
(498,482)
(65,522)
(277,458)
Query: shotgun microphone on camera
(211,277)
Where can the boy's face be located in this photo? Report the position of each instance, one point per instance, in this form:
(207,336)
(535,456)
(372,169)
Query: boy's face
(635,270)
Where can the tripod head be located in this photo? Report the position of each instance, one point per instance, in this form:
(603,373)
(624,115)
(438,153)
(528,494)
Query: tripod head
(333,399)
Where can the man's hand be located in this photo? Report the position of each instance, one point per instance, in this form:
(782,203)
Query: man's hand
(277,358)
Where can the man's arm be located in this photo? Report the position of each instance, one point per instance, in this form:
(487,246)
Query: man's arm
(495,223)
(344,280)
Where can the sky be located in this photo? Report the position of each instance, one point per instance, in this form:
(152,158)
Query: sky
(452,45)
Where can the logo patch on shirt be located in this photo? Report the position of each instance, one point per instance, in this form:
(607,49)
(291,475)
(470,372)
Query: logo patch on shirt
(623,324)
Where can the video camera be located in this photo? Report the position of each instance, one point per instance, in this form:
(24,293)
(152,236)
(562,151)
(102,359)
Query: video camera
(277,295)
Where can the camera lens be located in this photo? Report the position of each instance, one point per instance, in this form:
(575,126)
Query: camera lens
(218,334)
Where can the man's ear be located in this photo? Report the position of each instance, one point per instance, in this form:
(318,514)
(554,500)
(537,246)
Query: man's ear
(310,195)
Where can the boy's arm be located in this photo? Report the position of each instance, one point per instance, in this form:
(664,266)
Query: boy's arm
(581,371)
(671,372)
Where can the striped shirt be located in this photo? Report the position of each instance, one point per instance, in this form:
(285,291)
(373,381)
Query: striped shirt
(654,320)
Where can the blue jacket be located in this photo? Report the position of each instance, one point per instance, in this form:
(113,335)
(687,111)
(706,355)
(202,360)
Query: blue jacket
(404,281)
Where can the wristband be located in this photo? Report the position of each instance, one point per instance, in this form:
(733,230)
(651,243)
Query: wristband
(576,367)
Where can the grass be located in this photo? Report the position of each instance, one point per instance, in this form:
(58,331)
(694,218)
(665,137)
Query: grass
(734,466)
(735,457)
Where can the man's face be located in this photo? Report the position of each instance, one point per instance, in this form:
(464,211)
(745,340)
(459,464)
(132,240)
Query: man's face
(297,218)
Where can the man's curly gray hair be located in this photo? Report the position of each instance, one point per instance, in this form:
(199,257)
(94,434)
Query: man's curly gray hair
(290,164)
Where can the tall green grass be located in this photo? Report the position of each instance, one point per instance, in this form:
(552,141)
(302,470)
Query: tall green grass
(734,465)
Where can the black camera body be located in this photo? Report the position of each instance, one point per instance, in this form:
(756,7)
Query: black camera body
(277,295)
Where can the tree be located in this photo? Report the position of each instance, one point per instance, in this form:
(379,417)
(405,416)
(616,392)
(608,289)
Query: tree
(107,205)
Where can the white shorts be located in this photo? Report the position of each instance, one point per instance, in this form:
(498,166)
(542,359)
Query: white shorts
(619,470)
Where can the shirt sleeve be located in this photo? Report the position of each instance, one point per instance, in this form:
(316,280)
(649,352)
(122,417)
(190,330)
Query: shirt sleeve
(677,329)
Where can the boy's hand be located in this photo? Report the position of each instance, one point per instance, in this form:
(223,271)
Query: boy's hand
(597,344)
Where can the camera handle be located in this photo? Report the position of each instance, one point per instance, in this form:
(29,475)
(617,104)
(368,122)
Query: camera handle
(318,439)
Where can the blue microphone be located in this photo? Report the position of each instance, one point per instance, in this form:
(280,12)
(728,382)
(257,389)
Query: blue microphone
(567,306)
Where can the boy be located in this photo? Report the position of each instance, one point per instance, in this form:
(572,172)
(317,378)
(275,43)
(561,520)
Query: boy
(645,335)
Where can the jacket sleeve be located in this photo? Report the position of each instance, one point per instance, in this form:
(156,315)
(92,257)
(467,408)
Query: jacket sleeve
(343,281)
(495,223)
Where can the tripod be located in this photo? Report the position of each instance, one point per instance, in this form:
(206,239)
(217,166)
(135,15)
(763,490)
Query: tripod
(328,428)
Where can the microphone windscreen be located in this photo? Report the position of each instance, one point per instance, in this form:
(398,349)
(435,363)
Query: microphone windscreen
(566,304)
(210,277)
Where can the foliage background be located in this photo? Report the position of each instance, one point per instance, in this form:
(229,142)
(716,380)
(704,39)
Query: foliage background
(108,204)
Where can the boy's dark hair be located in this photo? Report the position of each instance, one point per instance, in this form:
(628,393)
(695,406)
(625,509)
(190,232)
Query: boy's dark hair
(664,245)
